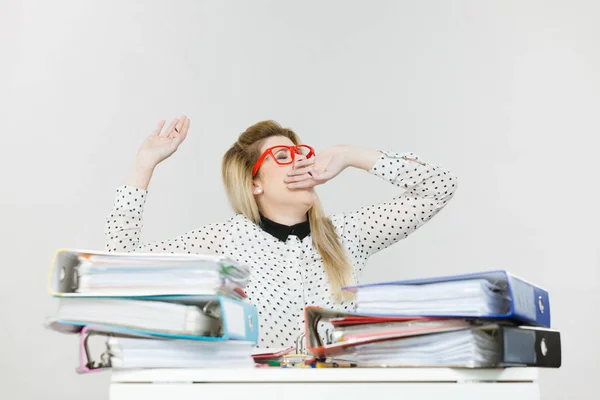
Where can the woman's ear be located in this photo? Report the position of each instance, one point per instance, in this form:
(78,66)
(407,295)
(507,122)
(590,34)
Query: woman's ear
(256,189)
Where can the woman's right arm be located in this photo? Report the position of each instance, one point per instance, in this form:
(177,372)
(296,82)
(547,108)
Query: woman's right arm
(124,222)
(123,227)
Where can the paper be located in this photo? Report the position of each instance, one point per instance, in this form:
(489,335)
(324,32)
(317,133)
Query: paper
(133,274)
(466,348)
(148,315)
(149,353)
(473,297)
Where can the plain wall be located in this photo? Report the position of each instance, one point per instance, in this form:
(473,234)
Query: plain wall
(505,94)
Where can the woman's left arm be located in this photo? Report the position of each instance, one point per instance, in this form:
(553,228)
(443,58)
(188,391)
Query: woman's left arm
(428,188)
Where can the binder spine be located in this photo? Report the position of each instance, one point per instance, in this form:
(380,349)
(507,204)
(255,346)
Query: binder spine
(531,347)
(240,320)
(529,303)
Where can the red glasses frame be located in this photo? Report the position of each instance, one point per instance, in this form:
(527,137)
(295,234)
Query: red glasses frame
(293,150)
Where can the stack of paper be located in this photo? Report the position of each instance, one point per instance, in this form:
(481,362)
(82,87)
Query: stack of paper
(148,353)
(462,348)
(106,274)
(155,310)
(486,319)
(473,297)
(365,331)
(166,316)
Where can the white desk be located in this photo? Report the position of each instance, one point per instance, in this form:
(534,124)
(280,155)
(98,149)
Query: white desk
(326,384)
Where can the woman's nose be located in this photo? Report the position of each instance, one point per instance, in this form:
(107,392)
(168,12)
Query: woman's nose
(299,157)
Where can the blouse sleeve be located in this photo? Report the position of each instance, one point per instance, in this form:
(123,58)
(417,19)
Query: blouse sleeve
(428,189)
(123,227)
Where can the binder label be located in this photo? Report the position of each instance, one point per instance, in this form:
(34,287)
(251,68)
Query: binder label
(236,324)
(524,298)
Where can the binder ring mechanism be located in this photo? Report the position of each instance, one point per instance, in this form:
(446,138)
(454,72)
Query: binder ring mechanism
(300,349)
(87,364)
(86,361)
(541,304)
(300,356)
(71,281)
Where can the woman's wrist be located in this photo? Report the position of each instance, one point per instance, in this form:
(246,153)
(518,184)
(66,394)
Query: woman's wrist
(360,157)
(140,175)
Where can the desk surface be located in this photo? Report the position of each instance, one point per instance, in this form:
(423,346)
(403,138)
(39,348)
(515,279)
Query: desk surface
(229,375)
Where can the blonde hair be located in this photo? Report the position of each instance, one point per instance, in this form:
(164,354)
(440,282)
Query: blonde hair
(237,176)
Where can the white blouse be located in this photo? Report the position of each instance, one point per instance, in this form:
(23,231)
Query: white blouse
(287,275)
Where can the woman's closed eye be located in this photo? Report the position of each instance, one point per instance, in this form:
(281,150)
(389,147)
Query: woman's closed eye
(282,155)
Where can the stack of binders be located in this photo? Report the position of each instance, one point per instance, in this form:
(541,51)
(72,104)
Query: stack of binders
(490,319)
(154,310)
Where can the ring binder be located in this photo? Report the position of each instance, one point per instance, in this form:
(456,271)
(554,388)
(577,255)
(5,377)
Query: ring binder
(86,361)
(314,315)
(120,348)
(153,310)
(238,320)
(526,302)
(81,273)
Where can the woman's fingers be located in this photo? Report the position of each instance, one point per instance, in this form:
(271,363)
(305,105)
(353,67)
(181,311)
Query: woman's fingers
(167,132)
(307,183)
(301,171)
(325,175)
(177,128)
(302,167)
(304,162)
(297,178)
(186,126)
(159,126)
(182,133)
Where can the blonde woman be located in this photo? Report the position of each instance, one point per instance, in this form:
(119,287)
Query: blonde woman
(298,255)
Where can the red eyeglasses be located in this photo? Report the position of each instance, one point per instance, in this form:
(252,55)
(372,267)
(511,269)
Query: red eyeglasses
(284,155)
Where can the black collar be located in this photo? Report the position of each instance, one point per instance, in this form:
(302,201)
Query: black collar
(282,232)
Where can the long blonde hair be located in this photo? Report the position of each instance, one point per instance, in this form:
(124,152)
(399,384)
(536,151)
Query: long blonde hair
(237,176)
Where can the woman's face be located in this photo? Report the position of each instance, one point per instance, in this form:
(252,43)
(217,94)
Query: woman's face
(269,186)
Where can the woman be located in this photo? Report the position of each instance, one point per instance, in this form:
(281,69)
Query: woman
(297,255)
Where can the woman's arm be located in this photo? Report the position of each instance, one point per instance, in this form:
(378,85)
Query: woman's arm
(123,224)
(123,227)
(360,157)
(140,175)
(428,189)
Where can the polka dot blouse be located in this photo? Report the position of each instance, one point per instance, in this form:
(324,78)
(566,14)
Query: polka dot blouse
(287,272)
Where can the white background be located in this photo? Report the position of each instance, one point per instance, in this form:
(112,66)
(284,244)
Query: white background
(505,94)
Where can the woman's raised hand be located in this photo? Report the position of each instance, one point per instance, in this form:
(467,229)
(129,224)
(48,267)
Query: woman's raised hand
(156,148)
(160,145)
